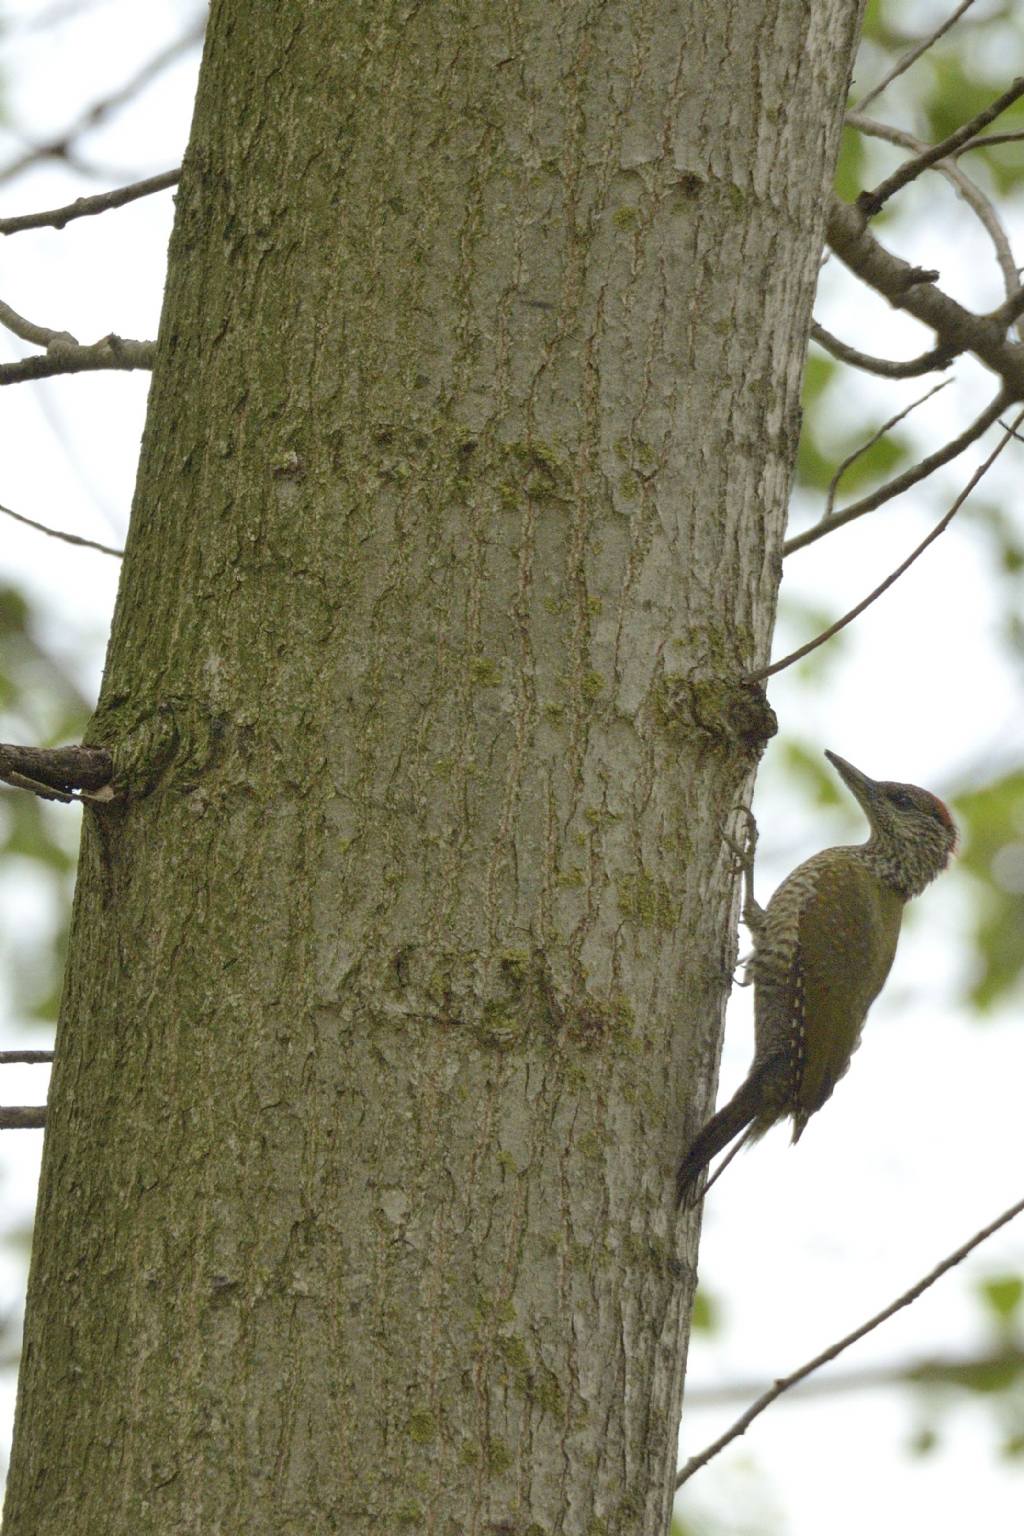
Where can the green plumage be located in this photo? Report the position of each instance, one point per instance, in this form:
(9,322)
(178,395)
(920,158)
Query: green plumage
(823,948)
(826,947)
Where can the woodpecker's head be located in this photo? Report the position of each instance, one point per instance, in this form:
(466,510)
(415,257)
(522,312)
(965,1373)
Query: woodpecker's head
(912,832)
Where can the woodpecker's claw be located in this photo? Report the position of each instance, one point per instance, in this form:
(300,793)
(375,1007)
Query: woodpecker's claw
(744,961)
(751,914)
(746,850)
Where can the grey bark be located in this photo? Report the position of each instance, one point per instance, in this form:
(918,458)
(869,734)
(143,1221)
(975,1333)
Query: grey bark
(397,970)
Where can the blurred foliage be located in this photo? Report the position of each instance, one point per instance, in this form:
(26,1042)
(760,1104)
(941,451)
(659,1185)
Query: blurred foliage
(851,170)
(995,1372)
(1002,1295)
(857,464)
(40,705)
(813,771)
(992,823)
(1005,541)
(956,89)
(706,1314)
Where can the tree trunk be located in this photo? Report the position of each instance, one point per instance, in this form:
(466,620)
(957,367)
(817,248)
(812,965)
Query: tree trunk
(397,970)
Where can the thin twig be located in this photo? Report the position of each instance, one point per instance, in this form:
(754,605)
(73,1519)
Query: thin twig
(84,207)
(9,1057)
(848,618)
(834,1350)
(27,330)
(973,196)
(911,56)
(57,533)
(902,482)
(870,202)
(938,357)
(987,140)
(916,292)
(31,1117)
(870,442)
(113,352)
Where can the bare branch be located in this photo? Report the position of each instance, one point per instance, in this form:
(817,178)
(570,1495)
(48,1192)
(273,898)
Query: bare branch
(870,442)
(9,1057)
(84,207)
(28,1118)
(900,483)
(743,1423)
(940,527)
(971,193)
(938,357)
(57,533)
(911,56)
(65,354)
(27,330)
(916,292)
(59,771)
(1007,312)
(870,202)
(113,352)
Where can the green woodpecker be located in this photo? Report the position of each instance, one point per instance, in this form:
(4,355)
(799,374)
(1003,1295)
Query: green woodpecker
(822,950)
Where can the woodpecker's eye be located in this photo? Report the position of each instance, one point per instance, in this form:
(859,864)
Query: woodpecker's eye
(900,798)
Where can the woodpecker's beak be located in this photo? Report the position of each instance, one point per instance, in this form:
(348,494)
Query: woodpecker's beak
(864,790)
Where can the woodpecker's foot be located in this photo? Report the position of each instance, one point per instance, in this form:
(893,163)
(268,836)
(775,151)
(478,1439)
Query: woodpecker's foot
(746,849)
(744,961)
(736,975)
(752,914)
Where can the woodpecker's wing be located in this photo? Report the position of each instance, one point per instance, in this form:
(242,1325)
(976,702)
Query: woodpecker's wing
(849,927)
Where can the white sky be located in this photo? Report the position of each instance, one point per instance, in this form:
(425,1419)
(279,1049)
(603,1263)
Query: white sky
(920,1145)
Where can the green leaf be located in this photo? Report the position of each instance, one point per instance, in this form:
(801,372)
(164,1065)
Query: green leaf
(953,96)
(705,1318)
(819,371)
(996,1374)
(1002,1295)
(876,462)
(812,768)
(29,832)
(850,169)
(923,1442)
